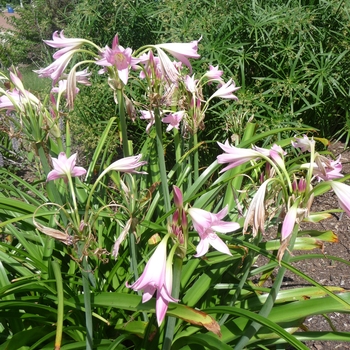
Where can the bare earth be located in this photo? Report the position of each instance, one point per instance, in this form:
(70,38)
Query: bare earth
(3,20)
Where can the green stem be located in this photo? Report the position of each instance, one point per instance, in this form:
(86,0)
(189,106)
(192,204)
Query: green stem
(178,153)
(75,206)
(87,304)
(254,327)
(162,168)
(170,327)
(195,157)
(123,125)
(60,304)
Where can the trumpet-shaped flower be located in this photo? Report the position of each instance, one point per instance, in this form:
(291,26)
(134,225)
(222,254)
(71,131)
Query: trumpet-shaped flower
(63,43)
(256,211)
(118,57)
(191,84)
(56,68)
(62,87)
(304,143)
(181,51)
(235,156)
(178,197)
(225,91)
(148,115)
(168,69)
(206,224)
(325,169)
(289,221)
(15,98)
(342,191)
(173,119)
(64,167)
(157,277)
(180,224)
(276,153)
(82,77)
(127,165)
(214,74)
(152,66)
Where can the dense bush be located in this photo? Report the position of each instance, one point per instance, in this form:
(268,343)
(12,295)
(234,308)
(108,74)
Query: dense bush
(35,23)
(291,58)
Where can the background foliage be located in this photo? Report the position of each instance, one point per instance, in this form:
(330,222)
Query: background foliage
(290,58)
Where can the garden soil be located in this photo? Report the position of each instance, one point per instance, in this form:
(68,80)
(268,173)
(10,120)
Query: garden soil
(325,271)
(3,20)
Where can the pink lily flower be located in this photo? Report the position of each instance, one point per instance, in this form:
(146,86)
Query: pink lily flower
(325,169)
(342,191)
(256,211)
(148,115)
(15,98)
(126,165)
(62,87)
(65,44)
(173,119)
(152,66)
(206,224)
(191,84)
(289,221)
(157,277)
(121,238)
(167,67)
(118,57)
(214,74)
(235,156)
(225,91)
(7,103)
(180,223)
(182,51)
(304,143)
(178,197)
(56,68)
(63,166)
(276,153)
(82,77)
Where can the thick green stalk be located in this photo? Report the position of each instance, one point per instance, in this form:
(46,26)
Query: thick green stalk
(87,304)
(195,158)
(75,206)
(170,327)
(60,304)
(162,168)
(122,123)
(254,327)
(178,152)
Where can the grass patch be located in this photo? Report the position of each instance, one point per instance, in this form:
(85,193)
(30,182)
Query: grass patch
(33,83)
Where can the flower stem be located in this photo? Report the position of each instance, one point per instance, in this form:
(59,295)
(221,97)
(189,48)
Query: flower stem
(60,304)
(75,207)
(123,125)
(170,327)
(161,163)
(87,304)
(178,152)
(195,157)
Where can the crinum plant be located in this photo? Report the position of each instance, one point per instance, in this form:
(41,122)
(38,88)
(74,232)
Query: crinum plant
(151,232)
